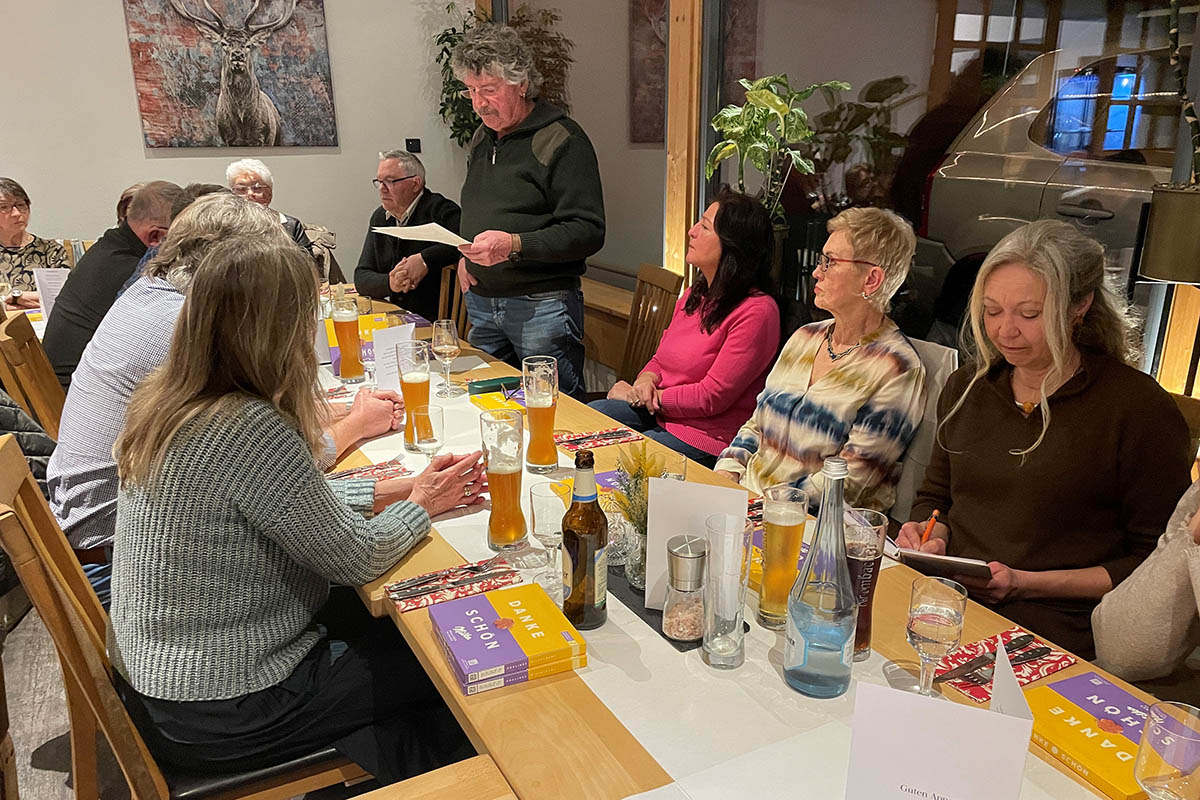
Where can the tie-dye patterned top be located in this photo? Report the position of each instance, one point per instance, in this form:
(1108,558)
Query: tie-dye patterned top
(865,409)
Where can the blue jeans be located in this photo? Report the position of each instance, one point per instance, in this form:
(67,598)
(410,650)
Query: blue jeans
(643,421)
(100,576)
(539,324)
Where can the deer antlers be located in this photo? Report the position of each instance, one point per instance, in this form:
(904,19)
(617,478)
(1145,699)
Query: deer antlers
(216,24)
(289,8)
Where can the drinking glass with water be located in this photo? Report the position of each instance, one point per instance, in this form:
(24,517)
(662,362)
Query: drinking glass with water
(935,623)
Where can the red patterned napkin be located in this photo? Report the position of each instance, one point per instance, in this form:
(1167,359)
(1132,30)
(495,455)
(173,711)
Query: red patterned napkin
(450,575)
(380,472)
(1026,673)
(337,393)
(590,440)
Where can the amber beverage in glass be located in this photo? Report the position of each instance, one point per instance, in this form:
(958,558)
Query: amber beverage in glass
(412,362)
(785,513)
(503,440)
(539,377)
(345,330)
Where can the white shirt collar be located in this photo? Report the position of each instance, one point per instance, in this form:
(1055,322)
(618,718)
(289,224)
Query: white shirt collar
(407,212)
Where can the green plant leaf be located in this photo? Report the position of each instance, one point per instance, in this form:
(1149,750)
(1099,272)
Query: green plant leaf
(722,151)
(883,89)
(801,164)
(760,156)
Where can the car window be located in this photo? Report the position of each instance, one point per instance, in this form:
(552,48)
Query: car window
(1124,108)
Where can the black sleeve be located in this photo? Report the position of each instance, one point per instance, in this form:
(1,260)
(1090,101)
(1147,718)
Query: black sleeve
(446,213)
(370,277)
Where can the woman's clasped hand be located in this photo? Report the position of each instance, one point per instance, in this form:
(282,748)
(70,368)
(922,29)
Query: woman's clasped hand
(450,481)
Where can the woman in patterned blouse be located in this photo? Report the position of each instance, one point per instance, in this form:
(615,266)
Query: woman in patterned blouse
(20,251)
(851,386)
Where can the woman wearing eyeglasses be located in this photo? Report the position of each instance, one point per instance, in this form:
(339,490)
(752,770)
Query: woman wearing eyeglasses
(851,386)
(20,251)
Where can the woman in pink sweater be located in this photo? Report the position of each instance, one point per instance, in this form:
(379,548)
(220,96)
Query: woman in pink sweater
(701,384)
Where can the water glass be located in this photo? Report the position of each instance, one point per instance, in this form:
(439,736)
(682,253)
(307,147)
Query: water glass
(935,622)
(547,504)
(729,539)
(1168,759)
(674,466)
(429,429)
(446,348)
(537,565)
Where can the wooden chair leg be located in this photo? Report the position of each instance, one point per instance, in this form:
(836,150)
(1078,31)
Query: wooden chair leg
(8,770)
(83,742)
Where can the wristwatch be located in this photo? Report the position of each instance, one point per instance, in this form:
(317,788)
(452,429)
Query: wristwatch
(514,255)
(14,296)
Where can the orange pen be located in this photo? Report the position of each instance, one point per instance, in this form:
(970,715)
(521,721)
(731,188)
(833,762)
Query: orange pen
(929,526)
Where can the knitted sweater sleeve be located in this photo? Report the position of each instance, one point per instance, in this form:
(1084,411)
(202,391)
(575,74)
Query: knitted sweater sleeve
(1146,626)
(371,278)
(288,500)
(750,330)
(573,188)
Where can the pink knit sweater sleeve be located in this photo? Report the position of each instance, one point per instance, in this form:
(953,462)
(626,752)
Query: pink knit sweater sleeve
(751,339)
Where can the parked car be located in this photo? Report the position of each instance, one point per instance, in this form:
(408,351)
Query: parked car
(1082,145)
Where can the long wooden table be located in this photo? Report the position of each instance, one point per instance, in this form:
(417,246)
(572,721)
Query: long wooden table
(554,738)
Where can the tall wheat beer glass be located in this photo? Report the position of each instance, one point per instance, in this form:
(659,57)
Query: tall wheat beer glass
(785,512)
(345,329)
(503,438)
(412,361)
(539,376)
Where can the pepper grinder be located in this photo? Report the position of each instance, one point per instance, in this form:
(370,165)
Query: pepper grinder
(683,613)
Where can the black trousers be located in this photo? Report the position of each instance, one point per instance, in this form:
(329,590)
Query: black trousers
(360,689)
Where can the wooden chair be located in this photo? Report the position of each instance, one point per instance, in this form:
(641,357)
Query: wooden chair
(27,375)
(72,614)
(452,304)
(653,304)
(476,778)
(75,249)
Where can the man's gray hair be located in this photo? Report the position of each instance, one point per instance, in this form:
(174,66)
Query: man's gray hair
(497,50)
(153,203)
(206,221)
(411,164)
(248,166)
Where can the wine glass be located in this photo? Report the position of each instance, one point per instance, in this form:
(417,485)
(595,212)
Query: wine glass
(935,621)
(1168,759)
(445,349)
(429,430)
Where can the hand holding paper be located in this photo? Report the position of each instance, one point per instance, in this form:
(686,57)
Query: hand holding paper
(489,248)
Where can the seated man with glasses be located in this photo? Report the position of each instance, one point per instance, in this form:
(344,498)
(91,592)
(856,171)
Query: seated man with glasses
(251,179)
(407,273)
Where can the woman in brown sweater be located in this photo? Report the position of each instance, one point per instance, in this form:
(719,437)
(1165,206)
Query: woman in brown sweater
(1056,462)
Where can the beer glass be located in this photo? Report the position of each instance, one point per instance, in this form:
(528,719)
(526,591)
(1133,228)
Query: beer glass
(1168,757)
(429,429)
(345,330)
(412,362)
(539,377)
(503,438)
(865,532)
(935,623)
(446,348)
(785,513)
(729,543)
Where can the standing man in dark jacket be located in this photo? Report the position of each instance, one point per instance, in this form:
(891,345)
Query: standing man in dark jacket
(94,282)
(405,272)
(532,205)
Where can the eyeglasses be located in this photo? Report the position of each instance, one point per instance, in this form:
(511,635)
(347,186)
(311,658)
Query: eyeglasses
(390,183)
(243,189)
(7,208)
(825,261)
(486,92)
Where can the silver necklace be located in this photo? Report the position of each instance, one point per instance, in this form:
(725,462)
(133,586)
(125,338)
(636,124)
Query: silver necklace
(829,346)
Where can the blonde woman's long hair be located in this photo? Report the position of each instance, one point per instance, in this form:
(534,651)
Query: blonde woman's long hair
(246,331)
(1072,267)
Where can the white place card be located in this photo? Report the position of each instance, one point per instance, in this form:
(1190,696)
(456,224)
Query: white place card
(678,507)
(387,375)
(49,283)
(905,746)
(429,232)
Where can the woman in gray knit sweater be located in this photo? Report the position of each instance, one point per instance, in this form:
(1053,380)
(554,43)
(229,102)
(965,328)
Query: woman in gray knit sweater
(232,651)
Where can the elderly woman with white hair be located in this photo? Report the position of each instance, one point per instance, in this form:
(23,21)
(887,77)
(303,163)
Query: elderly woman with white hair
(531,205)
(251,179)
(851,386)
(1057,462)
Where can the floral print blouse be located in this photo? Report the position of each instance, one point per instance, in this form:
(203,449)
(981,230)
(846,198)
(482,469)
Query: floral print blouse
(18,263)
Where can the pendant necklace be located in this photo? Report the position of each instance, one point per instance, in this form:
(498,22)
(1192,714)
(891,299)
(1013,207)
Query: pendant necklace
(829,346)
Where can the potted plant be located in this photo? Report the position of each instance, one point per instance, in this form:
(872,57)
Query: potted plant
(1172,249)
(551,55)
(769,131)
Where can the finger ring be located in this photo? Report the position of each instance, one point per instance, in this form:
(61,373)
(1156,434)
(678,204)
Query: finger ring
(466,491)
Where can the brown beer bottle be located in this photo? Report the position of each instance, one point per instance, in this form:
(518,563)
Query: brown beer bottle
(584,545)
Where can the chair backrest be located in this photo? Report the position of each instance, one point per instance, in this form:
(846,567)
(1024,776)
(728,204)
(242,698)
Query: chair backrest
(75,249)
(451,303)
(1190,408)
(939,362)
(653,304)
(27,375)
(69,246)
(69,608)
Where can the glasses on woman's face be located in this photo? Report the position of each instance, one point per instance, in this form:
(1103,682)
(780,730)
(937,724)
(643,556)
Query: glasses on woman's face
(825,261)
(8,208)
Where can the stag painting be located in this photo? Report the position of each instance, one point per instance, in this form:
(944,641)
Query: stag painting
(237,73)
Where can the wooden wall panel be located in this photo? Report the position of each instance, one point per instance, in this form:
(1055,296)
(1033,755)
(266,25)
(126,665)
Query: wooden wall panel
(683,129)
